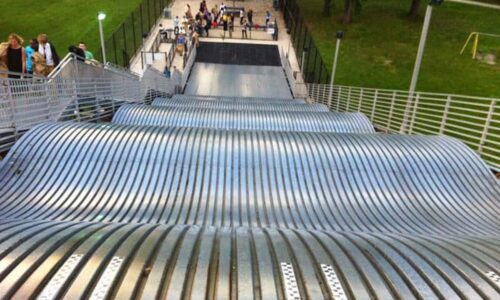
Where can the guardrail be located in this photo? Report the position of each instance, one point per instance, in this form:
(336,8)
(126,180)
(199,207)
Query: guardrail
(298,89)
(474,120)
(76,91)
(189,60)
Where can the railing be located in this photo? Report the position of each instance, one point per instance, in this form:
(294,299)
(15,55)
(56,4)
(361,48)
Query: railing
(149,58)
(315,70)
(76,91)
(474,120)
(127,39)
(188,64)
(298,89)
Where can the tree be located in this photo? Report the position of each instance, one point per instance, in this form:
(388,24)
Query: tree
(415,6)
(350,7)
(327,8)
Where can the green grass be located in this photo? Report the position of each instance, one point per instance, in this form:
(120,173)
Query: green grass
(66,22)
(380,46)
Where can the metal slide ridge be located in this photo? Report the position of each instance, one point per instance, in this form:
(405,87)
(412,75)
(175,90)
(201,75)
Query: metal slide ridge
(315,181)
(243,120)
(79,260)
(237,99)
(249,106)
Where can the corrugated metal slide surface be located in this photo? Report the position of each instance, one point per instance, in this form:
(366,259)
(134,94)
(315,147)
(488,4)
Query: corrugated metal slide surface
(363,182)
(243,120)
(247,106)
(131,261)
(236,99)
(102,211)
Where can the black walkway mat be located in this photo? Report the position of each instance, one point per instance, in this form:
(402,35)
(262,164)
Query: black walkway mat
(238,54)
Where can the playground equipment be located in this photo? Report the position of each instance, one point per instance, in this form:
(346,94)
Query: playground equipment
(475,45)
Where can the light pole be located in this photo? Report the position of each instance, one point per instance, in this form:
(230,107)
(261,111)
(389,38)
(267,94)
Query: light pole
(418,62)
(101,16)
(340,36)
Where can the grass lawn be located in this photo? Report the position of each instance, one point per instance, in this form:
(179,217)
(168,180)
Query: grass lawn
(380,46)
(65,21)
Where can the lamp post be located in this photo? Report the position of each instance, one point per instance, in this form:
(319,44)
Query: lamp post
(101,16)
(418,62)
(340,36)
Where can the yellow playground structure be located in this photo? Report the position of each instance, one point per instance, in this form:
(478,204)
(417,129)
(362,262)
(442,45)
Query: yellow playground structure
(475,36)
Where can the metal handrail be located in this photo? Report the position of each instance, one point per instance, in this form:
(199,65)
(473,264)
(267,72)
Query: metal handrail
(472,119)
(76,91)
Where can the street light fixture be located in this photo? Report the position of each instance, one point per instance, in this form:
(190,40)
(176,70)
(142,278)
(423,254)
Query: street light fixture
(340,36)
(101,16)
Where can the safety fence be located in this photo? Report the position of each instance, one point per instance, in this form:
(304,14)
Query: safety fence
(474,120)
(189,60)
(299,89)
(127,39)
(76,91)
(308,55)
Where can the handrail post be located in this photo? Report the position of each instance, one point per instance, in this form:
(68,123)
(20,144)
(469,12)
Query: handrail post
(338,97)
(445,115)
(486,129)
(391,110)
(374,104)
(360,99)
(414,115)
(348,99)
(12,107)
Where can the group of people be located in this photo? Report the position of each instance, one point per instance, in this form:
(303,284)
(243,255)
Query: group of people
(39,57)
(200,24)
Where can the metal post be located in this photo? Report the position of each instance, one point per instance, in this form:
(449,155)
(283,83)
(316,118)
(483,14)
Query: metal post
(374,106)
(414,115)
(391,111)
(302,67)
(340,35)
(445,115)
(487,124)
(103,47)
(416,69)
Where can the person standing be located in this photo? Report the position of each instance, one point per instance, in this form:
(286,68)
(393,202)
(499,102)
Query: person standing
(268,17)
(231,26)
(30,50)
(244,26)
(48,51)
(225,20)
(16,56)
(88,54)
(242,15)
(250,17)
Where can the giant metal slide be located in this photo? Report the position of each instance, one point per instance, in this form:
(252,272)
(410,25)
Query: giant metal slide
(231,198)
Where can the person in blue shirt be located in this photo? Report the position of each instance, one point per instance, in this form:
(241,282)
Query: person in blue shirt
(268,17)
(30,50)
(166,72)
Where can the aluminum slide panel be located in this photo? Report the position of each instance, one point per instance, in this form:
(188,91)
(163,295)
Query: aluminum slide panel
(243,120)
(238,81)
(237,99)
(229,104)
(316,181)
(131,261)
